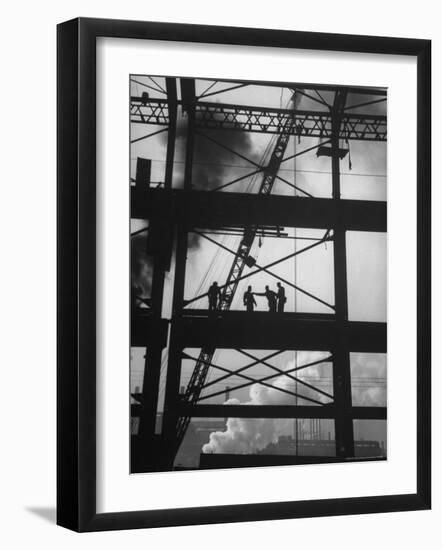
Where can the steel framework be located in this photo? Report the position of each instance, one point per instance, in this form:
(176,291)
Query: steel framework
(220,116)
(182,211)
(241,258)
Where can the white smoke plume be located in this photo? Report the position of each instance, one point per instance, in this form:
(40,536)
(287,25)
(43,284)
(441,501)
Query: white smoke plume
(249,435)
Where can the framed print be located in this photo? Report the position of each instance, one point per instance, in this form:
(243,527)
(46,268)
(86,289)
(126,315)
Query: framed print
(243,274)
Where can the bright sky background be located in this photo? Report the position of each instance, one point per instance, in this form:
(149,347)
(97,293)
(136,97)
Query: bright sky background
(313,271)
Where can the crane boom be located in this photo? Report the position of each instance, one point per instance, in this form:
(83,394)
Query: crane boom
(242,258)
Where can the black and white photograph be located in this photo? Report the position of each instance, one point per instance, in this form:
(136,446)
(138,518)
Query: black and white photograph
(226,234)
(258,269)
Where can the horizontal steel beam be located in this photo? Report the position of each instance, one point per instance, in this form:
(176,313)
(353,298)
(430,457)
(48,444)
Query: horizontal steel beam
(278,411)
(239,315)
(223,116)
(264,330)
(205,209)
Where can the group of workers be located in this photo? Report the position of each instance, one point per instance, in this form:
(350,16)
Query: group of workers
(275,300)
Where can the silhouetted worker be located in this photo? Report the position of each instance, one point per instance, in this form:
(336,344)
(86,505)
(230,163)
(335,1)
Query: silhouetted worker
(214,295)
(271,298)
(281,297)
(249,299)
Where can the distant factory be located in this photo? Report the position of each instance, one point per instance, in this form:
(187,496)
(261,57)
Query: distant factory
(287,445)
(287,450)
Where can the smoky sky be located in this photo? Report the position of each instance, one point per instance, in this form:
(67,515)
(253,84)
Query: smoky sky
(141,266)
(249,435)
(211,161)
(210,166)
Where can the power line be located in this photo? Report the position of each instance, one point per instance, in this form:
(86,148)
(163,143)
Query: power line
(297,170)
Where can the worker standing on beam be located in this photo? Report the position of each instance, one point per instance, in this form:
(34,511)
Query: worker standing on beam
(249,300)
(281,297)
(271,298)
(214,295)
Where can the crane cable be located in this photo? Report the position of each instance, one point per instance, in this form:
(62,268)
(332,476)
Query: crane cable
(248,189)
(216,256)
(215,259)
(295,258)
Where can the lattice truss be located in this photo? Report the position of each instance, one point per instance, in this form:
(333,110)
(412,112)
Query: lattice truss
(284,123)
(309,123)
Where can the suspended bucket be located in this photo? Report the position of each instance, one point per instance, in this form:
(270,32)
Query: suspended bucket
(326,151)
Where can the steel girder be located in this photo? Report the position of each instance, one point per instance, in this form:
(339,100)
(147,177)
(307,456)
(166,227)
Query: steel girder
(222,116)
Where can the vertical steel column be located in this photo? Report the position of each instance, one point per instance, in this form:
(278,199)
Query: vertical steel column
(171,136)
(172,394)
(189,99)
(151,381)
(341,357)
(153,357)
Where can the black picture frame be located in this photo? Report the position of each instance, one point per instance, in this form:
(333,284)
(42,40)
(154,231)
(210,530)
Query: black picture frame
(76,272)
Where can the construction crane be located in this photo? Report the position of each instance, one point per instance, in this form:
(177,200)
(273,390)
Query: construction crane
(241,260)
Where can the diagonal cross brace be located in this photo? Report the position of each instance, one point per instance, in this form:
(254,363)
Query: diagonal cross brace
(261,168)
(258,361)
(243,368)
(250,379)
(284,373)
(269,377)
(266,270)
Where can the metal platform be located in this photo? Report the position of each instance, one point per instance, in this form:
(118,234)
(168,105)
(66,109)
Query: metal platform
(264,330)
